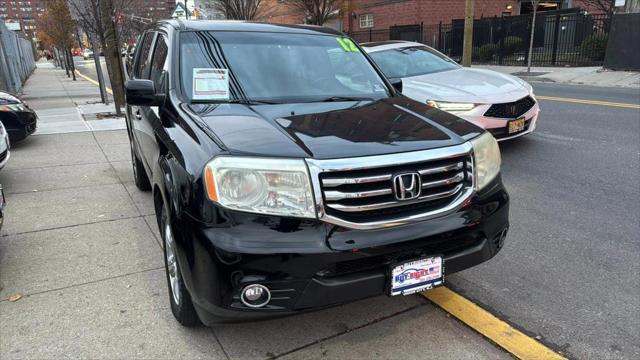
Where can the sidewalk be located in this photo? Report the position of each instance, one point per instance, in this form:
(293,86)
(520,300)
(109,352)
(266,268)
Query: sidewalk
(64,105)
(592,76)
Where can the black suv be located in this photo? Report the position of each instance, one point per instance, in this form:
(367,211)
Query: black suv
(288,174)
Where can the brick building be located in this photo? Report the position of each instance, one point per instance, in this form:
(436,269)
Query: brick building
(362,15)
(24,12)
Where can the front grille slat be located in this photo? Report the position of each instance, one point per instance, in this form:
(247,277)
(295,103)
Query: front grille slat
(367,194)
(440,169)
(338,195)
(511,110)
(438,183)
(333,182)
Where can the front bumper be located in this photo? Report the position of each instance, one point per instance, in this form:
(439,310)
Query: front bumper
(19,124)
(498,126)
(295,260)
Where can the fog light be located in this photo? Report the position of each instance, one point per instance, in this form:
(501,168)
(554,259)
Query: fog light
(255,295)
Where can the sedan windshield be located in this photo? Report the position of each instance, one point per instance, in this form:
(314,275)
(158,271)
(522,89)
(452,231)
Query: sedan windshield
(275,67)
(412,61)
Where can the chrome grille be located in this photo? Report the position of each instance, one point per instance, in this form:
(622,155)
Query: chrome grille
(362,196)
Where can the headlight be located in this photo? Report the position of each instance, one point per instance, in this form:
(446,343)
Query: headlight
(260,185)
(486,154)
(451,106)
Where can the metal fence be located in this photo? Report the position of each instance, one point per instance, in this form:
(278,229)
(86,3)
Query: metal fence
(561,38)
(16,60)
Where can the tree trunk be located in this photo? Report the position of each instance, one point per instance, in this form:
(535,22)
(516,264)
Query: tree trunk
(72,65)
(96,59)
(467,49)
(112,55)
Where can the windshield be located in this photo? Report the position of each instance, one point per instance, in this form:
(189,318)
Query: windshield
(275,67)
(412,61)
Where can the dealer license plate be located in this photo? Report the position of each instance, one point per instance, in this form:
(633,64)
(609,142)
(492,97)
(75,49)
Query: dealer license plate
(516,126)
(417,275)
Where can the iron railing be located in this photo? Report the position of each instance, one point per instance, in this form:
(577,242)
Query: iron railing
(561,38)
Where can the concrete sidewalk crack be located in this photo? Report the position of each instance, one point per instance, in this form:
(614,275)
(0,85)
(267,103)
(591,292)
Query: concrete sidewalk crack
(88,282)
(375,321)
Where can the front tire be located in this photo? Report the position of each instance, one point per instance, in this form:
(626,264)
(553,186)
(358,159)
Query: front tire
(139,173)
(181,303)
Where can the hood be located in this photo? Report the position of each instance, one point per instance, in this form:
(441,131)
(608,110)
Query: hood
(334,129)
(478,86)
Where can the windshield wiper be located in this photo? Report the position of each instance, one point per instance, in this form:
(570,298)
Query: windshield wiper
(345,98)
(235,101)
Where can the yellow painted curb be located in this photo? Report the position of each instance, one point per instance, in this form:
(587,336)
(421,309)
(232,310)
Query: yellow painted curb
(93,82)
(504,335)
(589,102)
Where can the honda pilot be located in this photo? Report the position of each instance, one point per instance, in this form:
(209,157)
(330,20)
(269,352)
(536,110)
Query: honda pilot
(288,174)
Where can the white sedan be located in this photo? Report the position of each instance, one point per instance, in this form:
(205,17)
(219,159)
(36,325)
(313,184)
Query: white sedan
(4,147)
(503,104)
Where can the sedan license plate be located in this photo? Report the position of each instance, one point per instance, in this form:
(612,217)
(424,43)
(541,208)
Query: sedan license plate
(417,275)
(516,126)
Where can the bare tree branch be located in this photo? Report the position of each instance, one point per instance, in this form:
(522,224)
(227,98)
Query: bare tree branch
(317,12)
(240,9)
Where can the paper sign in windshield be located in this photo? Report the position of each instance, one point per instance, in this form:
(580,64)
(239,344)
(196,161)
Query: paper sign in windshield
(210,84)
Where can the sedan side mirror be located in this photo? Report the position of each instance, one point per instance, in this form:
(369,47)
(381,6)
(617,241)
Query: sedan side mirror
(397,84)
(142,93)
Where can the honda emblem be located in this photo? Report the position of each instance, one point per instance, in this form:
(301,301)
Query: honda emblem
(407,186)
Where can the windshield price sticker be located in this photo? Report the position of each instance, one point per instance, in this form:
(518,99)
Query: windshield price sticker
(347,45)
(210,84)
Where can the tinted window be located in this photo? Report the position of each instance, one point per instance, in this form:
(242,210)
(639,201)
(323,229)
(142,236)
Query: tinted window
(157,64)
(405,62)
(280,67)
(142,67)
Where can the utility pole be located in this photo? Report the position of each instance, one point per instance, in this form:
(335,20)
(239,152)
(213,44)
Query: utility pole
(467,47)
(534,3)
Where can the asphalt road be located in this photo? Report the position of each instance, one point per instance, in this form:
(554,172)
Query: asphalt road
(570,267)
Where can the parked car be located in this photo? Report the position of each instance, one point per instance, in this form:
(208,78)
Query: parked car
(503,104)
(5,145)
(288,174)
(18,119)
(87,54)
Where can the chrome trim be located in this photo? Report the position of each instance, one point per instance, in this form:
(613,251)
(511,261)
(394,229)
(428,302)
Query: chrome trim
(386,205)
(355,180)
(339,195)
(317,167)
(452,180)
(440,169)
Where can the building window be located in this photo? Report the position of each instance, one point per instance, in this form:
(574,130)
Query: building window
(366,21)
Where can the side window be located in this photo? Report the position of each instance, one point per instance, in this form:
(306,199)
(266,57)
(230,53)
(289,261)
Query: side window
(142,65)
(158,62)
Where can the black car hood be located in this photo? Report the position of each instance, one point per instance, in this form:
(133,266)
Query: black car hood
(333,129)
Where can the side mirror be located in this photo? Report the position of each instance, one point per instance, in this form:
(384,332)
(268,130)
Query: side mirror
(397,84)
(142,93)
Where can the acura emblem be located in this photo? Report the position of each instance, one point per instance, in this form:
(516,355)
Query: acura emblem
(407,186)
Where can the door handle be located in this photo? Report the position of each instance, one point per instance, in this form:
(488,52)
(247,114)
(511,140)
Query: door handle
(137,114)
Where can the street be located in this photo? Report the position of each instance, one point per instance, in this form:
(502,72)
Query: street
(567,276)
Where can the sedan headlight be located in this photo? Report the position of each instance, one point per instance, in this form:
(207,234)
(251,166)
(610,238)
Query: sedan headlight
(487,159)
(261,185)
(452,107)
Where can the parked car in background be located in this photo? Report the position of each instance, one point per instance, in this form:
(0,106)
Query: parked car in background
(87,54)
(503,104)
(288,174)
(5,145)
(18,119)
